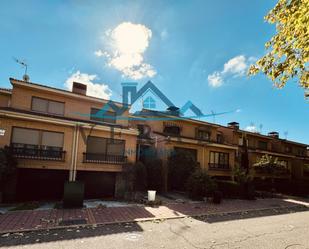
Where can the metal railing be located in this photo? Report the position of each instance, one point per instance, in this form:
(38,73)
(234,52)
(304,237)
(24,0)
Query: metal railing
(38,154)
(103,158)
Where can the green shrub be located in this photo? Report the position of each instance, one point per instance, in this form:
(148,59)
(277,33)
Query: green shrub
(155,179)
(180,167)
(200,185)
(229,189)
(140,177)
(8,175)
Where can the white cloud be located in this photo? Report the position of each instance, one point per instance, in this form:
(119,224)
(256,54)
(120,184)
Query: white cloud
(235,67)
(215,79)
(251,128)
(98,90)
(128,43)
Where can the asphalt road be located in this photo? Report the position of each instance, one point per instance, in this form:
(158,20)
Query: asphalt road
(269,229)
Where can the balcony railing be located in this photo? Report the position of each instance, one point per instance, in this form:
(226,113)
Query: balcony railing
(103,158)
(220,167)
(38,154)
(272,170)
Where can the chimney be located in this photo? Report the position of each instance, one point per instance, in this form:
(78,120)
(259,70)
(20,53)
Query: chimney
(173,110)
(79,88)
(233,125)
(273,134)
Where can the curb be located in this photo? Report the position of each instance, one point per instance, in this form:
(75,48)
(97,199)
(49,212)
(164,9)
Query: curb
(153,219)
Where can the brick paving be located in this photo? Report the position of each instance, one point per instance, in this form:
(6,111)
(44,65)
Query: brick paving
(18,221)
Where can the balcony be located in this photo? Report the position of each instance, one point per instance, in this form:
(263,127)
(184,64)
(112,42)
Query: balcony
(272,170)
(219,167)
(37,154)
(103,158)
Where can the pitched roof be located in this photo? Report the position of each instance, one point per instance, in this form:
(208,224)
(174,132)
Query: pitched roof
(62,117)
(13,81)
(6,90)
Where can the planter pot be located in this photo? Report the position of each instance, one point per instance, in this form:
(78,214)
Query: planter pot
(151,195)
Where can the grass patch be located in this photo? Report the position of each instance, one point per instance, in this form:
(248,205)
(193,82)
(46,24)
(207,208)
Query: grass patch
(26,206)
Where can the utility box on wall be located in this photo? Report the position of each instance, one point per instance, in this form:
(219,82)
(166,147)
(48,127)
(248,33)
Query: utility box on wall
(73,196)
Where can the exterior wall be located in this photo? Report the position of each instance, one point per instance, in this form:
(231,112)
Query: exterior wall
(130,145)
(8,125)
(4,99)
(188,140)
(74,105)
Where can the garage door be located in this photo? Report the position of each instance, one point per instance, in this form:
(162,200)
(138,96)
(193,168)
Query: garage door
(97,184)
(40,184)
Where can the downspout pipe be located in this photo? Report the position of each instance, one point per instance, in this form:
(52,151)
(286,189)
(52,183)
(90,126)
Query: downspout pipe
(76,152)
(71,176)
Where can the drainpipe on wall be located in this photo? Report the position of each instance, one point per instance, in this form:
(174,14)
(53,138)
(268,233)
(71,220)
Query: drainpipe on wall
(204,166)
(71,178)
(76,153)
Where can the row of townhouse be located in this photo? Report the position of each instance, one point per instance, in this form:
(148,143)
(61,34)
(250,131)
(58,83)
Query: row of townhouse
(56,136)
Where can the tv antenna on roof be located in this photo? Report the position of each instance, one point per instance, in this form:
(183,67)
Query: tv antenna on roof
(261,128)
(286,134)
(213,116)
(23,64)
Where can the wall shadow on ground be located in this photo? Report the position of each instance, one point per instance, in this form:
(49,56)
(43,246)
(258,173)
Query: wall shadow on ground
(39,237)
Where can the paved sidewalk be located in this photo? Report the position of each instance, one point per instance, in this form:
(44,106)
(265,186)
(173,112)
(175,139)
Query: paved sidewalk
(19,221)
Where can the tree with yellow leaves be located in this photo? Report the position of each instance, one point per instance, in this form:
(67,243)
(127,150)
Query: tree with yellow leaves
(287,54)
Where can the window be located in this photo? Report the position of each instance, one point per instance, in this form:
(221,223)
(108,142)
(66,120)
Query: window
(172,130)
(301,152)
(37,143)
(52,140)
(204,135)
(105,146)
(218,159)
(262,145)
(25,138)
(191,152)
(103,116)
(149,103)
(219,138)
(47,106)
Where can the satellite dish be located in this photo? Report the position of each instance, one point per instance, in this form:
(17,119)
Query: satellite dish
(26,78)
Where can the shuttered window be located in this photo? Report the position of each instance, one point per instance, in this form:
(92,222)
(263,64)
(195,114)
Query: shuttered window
(37,138)
(106,146)
(40,105)
(25,136)
(115,147)
(47,106)
(96,145)
(52,139)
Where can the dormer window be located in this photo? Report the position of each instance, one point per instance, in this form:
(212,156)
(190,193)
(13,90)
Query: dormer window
(171,129)
(47,106)
(219,138)
(262,145)
(203,134)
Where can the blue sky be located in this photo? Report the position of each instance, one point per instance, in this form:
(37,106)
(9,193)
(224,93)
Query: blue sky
(192,50)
